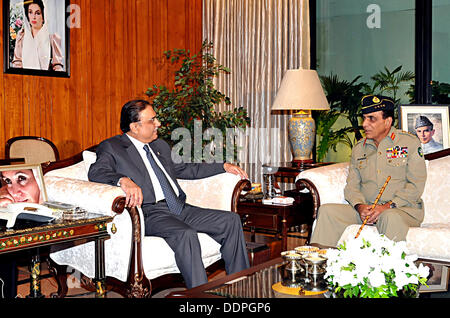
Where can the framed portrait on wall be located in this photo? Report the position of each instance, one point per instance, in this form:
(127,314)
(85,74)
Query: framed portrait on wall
(36,37)
(430,123)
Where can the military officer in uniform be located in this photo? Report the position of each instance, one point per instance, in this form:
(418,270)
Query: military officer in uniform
(425,131)
(384,152)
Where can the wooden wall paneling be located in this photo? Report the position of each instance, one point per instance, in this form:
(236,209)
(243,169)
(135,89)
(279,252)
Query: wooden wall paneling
(176,18)
(143,45)
(194,9)
(99,64)
(119,62)
(107,64)
(2,97)
(76,91)
(176,33)
(156,44)
(115,56)
(84,77)
(163,74)
(128,63)
(42,98)
(35,117)
(153,13)
(64,128)
(28,99)
(133,42)
(13,99)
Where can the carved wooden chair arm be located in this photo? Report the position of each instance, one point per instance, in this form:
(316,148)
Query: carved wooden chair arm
(302,184)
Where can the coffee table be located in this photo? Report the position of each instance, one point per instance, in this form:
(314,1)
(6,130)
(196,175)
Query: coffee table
(255,282)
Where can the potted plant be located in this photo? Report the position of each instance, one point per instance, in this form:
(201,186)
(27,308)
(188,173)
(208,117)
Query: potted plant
(190,107)
(344,98)
(373,266)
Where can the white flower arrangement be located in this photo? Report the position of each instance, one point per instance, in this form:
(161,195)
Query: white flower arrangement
(373,266)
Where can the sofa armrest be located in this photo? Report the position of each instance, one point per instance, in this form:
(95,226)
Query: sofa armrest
(94,197)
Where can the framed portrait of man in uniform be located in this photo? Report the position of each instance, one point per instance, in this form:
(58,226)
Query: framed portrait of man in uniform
(430,123)
(36,37)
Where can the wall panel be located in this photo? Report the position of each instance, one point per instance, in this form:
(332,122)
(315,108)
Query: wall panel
(115,56)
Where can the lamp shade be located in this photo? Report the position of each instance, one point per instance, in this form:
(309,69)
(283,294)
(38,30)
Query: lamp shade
(300,89)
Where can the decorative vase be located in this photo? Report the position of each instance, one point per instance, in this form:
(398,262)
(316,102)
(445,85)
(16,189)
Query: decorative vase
(302,134)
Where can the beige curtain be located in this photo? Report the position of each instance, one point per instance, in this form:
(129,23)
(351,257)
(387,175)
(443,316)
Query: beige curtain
(258,40)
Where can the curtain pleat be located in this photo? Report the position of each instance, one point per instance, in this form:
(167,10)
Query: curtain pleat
(258,40)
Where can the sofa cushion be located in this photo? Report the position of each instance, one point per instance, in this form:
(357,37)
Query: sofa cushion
(89,158)
(436,193)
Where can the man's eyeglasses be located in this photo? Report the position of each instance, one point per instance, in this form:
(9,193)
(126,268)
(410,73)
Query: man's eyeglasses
(150,120)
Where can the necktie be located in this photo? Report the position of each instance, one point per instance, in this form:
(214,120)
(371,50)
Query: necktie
(174,203)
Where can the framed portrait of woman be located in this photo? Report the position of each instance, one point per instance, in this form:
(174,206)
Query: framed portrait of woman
(430,123)
(36,37)
(22,183)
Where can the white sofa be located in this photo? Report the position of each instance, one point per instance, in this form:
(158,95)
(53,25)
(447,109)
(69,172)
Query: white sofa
(430,241)
(131,259)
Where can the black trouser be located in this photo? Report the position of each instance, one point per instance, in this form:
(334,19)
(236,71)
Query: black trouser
(180,233)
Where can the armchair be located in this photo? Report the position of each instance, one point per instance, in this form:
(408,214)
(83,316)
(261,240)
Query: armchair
(136,265)
(431,240)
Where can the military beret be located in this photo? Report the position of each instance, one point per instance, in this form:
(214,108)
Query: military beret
(374,103)
(422,121)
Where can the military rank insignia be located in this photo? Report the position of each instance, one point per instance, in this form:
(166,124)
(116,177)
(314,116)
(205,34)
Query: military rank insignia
(420,151)
(397,152)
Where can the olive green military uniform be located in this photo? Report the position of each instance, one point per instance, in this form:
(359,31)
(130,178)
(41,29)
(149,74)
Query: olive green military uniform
(398,155)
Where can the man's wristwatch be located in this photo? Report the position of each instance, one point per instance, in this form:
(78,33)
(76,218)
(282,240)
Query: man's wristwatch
(392,205)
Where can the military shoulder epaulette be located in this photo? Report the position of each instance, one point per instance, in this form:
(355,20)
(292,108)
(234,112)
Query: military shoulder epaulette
(361,140)
(406,133)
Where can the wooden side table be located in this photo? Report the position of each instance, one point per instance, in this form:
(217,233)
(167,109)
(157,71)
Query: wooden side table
(276,219)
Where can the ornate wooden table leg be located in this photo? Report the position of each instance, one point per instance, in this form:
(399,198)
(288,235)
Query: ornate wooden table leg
(100,276)
(35,283)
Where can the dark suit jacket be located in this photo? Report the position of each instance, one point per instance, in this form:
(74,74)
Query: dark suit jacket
(117,157)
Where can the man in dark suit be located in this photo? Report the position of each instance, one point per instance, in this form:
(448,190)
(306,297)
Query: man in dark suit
(141,164)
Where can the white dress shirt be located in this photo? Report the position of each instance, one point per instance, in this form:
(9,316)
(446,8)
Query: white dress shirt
(159,195)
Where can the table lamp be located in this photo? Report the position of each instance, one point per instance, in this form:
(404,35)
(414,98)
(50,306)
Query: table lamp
(301,91)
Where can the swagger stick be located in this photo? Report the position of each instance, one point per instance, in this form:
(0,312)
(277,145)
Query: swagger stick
(373,205)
